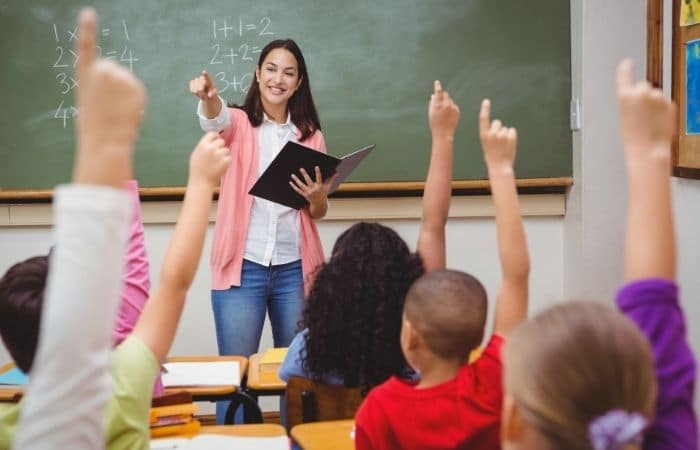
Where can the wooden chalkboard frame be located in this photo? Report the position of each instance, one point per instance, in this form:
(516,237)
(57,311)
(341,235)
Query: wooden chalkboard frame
(462,187)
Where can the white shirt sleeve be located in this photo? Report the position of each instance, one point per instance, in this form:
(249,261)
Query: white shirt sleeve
(69,382)
(218,123)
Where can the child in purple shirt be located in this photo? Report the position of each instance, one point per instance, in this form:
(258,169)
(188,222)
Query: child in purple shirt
(650,296)
(653,305)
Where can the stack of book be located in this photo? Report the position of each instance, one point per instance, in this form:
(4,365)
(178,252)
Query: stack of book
(270,364)
(173,415)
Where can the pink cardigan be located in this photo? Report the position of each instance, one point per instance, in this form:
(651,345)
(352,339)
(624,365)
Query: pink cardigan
(233,213)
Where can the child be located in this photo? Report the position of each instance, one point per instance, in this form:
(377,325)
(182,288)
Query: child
(352,316)
(263,253)
(580,376)
(69,385)
(69,380)
(456,404)
(650,297)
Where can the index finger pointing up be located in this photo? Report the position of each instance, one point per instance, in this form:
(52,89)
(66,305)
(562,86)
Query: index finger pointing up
(624,75)
(207,78)
(485,117)
(86,42)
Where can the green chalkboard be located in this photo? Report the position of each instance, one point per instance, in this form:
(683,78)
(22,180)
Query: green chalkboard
(371,62)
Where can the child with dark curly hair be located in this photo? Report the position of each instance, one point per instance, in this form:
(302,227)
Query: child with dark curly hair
(352,318)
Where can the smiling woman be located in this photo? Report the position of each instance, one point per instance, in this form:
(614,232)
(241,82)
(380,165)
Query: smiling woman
(263,252)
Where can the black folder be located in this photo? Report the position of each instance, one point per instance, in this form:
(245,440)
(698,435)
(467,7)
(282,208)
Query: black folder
(273,184)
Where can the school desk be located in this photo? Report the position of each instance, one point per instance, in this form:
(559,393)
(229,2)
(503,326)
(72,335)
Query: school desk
(251,410)
(10,393)
(332,435)
(267,384)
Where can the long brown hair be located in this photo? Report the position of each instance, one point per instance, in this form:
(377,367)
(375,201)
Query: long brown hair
(574,363)
(300,106)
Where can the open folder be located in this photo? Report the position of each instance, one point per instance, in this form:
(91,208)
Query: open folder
(273,184)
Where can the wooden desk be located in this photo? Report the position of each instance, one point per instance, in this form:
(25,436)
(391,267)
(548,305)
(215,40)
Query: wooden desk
(251,409)
(253,430)
(271,385)
(10,393)
(333,435)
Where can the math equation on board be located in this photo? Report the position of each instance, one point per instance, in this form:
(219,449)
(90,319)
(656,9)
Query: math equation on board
(66,59)
(235,47)
(235,50)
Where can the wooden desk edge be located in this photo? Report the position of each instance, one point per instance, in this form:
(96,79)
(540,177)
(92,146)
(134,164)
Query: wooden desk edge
(251,430)
(319,430)
(345,189)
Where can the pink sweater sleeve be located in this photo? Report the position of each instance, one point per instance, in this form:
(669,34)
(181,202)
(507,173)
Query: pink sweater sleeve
(136,282)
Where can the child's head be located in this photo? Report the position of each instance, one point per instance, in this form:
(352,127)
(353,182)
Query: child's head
(444,314)
(577,373)
(353,312)
(281,78)
(21,300)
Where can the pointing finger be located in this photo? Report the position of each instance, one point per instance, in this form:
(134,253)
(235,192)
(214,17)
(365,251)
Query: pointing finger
(624,75)
(484,116)
(86,42)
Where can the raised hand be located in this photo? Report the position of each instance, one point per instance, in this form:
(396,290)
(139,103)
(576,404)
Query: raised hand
(203,87)
(209,159)
(443,113)
(443,118)
(648,119)
(498,142)
(110,103)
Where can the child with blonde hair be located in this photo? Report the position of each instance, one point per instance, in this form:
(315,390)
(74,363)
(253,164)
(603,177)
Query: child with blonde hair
(582,375)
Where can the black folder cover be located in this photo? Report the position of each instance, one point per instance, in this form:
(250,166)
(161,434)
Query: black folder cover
(273,184)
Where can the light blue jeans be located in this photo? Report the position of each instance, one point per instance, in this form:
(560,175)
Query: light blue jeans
(239,312)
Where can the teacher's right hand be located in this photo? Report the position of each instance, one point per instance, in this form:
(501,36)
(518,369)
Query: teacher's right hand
(203,87)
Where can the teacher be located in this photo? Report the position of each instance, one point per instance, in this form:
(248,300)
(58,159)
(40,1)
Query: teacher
(263,252)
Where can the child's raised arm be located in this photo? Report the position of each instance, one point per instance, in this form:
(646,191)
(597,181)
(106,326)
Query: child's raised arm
(443,116)
(69,383)
(499,144)
(647,123)
(158,322)
(650,298)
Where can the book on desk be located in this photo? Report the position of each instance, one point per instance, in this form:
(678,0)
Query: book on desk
(14,377)
(270,363)
(204,373)
(218,442)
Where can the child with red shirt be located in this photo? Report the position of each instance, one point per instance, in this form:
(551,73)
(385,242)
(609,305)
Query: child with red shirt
(456,404)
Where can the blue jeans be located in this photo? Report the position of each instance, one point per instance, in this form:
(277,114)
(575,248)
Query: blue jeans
(239,312)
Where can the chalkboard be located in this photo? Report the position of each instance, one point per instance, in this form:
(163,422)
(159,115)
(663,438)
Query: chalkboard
(371,63)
